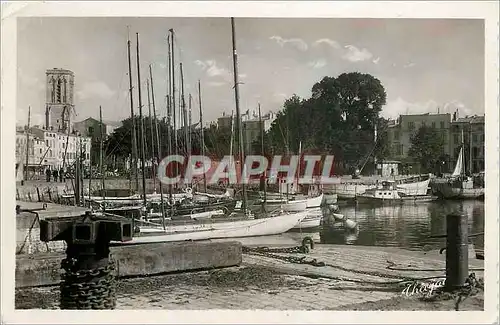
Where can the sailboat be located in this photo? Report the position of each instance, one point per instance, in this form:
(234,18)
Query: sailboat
(236,224)
(459,186)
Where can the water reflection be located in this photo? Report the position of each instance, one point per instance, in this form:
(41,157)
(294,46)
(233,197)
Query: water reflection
(406,226)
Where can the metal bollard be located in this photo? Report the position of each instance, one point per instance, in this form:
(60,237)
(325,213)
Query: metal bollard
(457,251)
(89,278)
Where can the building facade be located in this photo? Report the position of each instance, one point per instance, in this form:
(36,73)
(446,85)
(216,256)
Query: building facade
(406,126)
(91,127)
(469,131)
(450,128)
(56,144)
(251,125)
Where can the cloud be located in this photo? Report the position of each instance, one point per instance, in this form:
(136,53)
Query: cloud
(399,106)
(376,61)
(29,81)
(211,68)
(327,41)
(409,65)
(317,64)
(296,42)
(95,89)
(216,83)
(354,54)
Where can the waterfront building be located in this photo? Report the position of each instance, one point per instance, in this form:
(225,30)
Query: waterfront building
(401,132)
(56,144)
(251,125)
(450,127)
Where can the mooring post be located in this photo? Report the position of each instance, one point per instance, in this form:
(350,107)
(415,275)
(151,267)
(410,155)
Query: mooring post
(457,251)
(89,278)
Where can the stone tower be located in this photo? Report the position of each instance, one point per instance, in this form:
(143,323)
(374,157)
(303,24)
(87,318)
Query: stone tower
(59,107)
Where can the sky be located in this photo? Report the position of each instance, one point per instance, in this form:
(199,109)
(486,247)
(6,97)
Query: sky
(424,64)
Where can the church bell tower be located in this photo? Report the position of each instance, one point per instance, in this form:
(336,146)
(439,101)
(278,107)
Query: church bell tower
(59,107)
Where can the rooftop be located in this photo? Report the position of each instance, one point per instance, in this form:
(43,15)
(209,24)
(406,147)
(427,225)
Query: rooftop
(470,119)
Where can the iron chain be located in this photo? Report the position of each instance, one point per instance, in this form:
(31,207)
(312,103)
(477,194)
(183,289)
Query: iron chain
(87,289)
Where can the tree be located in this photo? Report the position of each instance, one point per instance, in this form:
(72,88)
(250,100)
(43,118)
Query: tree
(338,119)
(427,148)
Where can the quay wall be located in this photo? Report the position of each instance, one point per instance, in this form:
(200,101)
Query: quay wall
(136,260)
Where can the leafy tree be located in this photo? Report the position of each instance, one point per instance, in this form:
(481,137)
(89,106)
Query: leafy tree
(427,147)
(338,119)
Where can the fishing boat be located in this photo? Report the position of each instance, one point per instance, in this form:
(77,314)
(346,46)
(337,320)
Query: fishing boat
(389,192)
(459,185)
(215,229)
(415,185)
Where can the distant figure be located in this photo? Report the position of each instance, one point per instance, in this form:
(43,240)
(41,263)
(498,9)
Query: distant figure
(392,171)
(61,175)
(47,174)
(55,174)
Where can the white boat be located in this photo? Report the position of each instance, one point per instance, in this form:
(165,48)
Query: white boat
(312,220)
(221,229)
(297,203)
(410,186)
(389,192)
(153,216)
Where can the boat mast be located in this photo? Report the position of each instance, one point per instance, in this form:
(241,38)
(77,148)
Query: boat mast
(28,144)
(262,152)
(189,123)
(158,144)
(202,135)
(141,125)
(101,164)
(169,111)
(470,148)
(133,161)
(172,97)
(462,171)
(184,112)
(152,136)
(238,113)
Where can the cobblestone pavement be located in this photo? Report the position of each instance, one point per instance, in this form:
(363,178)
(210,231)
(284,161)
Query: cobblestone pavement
(231,288)
(271,284)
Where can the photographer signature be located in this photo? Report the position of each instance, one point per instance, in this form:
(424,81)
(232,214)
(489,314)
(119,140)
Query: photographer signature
(426,288)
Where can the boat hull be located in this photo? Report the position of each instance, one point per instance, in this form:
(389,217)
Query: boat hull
(203,231)
(401,200)
(311,221)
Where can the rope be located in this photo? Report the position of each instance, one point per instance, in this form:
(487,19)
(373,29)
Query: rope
(37,219)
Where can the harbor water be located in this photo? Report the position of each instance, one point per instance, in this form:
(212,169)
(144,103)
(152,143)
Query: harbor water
(406,226)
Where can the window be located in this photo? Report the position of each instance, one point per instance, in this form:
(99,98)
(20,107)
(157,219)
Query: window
(411,125)
(396,135)
(481,137)
(433,125)
(455,138)
(475,152)
(40,150)
(474,137)
(423,123)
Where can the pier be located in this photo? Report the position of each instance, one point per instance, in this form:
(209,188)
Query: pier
(241,274)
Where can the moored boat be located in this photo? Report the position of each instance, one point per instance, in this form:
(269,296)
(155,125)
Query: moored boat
(212,229)
(311,221)
(390,193)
